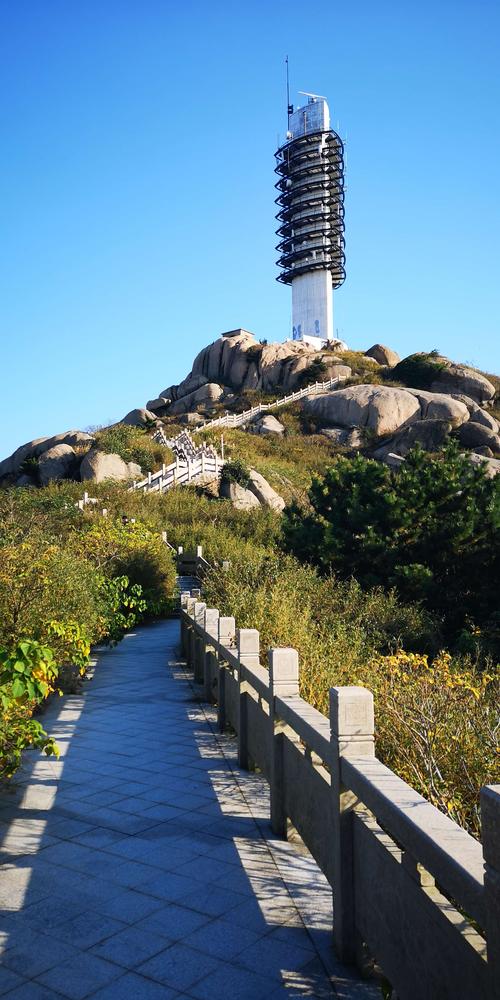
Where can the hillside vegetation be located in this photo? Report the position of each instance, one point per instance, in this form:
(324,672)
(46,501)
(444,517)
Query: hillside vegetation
(68,579)
(379,575)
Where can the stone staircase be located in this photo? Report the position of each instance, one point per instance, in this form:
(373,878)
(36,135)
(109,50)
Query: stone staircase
(192,462)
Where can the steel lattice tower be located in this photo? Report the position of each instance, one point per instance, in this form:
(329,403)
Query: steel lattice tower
(310,168)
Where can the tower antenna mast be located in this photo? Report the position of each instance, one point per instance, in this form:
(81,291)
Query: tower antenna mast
(289,107)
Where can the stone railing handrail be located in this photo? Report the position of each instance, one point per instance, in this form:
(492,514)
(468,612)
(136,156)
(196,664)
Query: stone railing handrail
(237,419)
(407,880)
(179,473)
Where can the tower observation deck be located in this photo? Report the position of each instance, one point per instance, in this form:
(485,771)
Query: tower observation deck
(310,169)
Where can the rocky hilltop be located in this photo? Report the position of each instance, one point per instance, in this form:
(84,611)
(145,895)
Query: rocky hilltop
(382,405)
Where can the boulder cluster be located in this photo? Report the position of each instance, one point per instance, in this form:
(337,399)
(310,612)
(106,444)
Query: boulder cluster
(237,363)
(390,420)
(386,416)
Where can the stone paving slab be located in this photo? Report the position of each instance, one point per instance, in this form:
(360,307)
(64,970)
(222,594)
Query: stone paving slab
(142,863)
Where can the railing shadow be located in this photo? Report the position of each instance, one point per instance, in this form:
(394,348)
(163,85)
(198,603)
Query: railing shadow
(137,863)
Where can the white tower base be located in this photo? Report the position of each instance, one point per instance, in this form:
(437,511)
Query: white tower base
(312,307)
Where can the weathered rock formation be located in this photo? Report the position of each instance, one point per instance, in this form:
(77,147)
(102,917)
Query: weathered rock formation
(474,435)
(491,465)
(267,425)
(239,362)
(33,449)
(377,407)
(265,494)
(241,498)
(98,466)
(345,437)
(259,493)
(139,417)
(383,409)
(205,396)
(56,463)
(429,434)
(459,379)
(383,355)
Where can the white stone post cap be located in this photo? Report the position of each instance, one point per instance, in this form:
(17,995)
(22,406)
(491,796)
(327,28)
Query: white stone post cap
(227,630)
(211,619)
(283,663)
(248,640)
(351,712)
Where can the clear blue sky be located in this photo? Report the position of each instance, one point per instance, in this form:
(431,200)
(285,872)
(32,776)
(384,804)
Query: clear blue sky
(137,187)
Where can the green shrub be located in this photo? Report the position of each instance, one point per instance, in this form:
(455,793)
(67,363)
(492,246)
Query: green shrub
(429,529)
(418,371)
(236,471)
(41,582)
(133,551)
(436,718)
(317,371)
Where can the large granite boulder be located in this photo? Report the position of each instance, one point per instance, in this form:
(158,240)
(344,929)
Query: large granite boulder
(267,425)
(476,412)
(265,494)
(158,404)
(139,417)
(491,465)
(480,416)
(383,355)
(380,408)
(208,394)
(35,448)
(474,435)
(460,379)
(56,463)
(99,465)
(238,361)
(188,385)
(440,406)
(429,434)
(383,409)
(345,437)
(241,498)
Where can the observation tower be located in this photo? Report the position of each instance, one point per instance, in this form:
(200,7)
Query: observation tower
(310,169)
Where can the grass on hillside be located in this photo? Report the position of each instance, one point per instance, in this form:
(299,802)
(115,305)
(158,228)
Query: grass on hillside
(344,635)
(133,444)
(288,462)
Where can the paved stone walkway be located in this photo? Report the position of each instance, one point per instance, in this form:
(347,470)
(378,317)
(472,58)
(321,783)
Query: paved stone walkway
(142,864)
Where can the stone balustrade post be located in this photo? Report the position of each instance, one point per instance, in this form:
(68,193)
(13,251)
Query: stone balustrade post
(248,642)
(212,627)
(352,735)
(227,632)
(199,643)
(490,830)
(188,644)
(184,597)
(283,683)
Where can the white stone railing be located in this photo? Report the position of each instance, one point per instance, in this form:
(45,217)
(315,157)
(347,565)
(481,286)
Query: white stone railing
(237,419)
(409,885)
(179,473)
